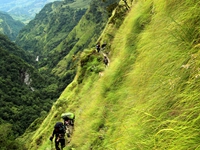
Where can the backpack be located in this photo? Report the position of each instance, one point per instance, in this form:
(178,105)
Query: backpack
(67,116)
(60,126)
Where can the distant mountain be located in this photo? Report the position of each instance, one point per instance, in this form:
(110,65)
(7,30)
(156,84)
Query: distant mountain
(9,26)
(23,10)
(54,22)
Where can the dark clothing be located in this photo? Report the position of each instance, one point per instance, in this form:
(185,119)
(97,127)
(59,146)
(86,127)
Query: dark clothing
(59,133)
(105,60)
(58,125)
(60,141)
(103,45)
(98,47)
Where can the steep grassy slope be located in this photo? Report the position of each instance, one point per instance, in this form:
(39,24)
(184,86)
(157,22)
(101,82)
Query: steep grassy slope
(9,26)
(148,97)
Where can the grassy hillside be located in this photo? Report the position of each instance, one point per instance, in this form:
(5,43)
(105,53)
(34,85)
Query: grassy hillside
(9,26)
(148,97)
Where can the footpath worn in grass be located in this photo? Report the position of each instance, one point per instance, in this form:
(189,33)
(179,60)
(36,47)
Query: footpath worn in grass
(148,98)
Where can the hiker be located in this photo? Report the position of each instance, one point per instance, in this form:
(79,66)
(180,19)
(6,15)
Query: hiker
(105,60)
(59,133)
(98,47)
(69,118)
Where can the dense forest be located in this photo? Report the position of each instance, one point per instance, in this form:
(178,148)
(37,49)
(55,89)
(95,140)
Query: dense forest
(25,93)
(147,98)
(49,28)
(11,47)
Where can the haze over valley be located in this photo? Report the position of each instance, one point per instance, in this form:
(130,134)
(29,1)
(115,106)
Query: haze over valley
(23,10)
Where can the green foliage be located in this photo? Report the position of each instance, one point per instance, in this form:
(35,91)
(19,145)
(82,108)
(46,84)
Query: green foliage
(84,35)
(9,26)
(49,28)
(91,62)
(7,138)
(11,47)
(24,92)
(59,45)
(43,35)
(111,7)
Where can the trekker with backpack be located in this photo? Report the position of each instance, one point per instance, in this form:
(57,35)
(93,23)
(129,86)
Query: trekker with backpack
(69,119)
(59,133)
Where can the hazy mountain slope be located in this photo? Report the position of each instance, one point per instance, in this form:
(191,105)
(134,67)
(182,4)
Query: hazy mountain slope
(148,97)
(9,26)
(23,10)
(49,28)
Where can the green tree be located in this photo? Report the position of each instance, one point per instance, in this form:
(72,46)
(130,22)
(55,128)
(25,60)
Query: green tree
(7,139)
